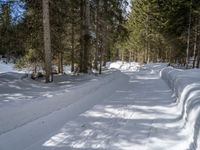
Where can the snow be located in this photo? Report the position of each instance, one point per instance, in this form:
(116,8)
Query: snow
(124,66)
(67,69)
(25,112)
(9,67)
(186,86)
(148,107)
(79,99)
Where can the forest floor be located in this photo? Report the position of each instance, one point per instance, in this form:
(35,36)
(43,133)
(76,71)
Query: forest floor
(133,110)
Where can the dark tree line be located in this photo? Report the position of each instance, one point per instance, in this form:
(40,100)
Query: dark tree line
(163,30)
(81,33)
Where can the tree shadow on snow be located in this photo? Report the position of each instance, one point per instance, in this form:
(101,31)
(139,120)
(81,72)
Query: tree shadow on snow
(130,119)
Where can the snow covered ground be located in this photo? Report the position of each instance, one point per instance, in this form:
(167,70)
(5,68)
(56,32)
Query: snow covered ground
(7,67)
(129,110)
(124,66)
(186,87)
(17,89)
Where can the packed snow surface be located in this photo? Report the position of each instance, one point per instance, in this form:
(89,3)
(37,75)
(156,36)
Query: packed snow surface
(153,107)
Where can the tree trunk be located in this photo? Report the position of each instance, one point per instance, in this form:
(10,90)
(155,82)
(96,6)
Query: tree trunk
(198,44)
(198,57)
(72,50)
(60,62)
(188,39)
(86,36)
(105,50)
(170,55)
(100,59)
(82,10)
(147,52)
(97,37)
(47,41)
(195,47)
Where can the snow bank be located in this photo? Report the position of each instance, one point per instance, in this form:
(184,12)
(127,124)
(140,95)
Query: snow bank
(186,86)
(124,66)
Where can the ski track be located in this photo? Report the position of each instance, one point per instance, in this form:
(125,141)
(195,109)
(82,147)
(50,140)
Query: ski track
(134,116)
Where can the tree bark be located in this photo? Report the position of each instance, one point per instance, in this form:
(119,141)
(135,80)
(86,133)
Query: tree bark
(195,47)
(60,62)
(188,39)
(82,27)
(47,41)
(198,44)
(72,50)
(100,59)
(97,37)
(86,36)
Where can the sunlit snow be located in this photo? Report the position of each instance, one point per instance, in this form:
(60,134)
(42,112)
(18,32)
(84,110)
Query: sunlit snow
(129,109)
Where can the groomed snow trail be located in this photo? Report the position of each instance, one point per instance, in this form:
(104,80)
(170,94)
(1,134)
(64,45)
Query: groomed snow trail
(138,115)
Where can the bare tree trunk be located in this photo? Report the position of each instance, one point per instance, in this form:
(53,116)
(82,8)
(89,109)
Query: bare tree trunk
(147,38)
(60,62)
(136,56)
(106,48)
(47,41)
(100,59)
(198,44)
(198,57)
(59,67)
(130,56)
(86,36)
(82,10)
(170,55)
(105,56)
(147,51)
(97,37)
(195,48)
(122,55)
(188,39)
(72,50)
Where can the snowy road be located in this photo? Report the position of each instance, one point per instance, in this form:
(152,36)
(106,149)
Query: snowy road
(136,113)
